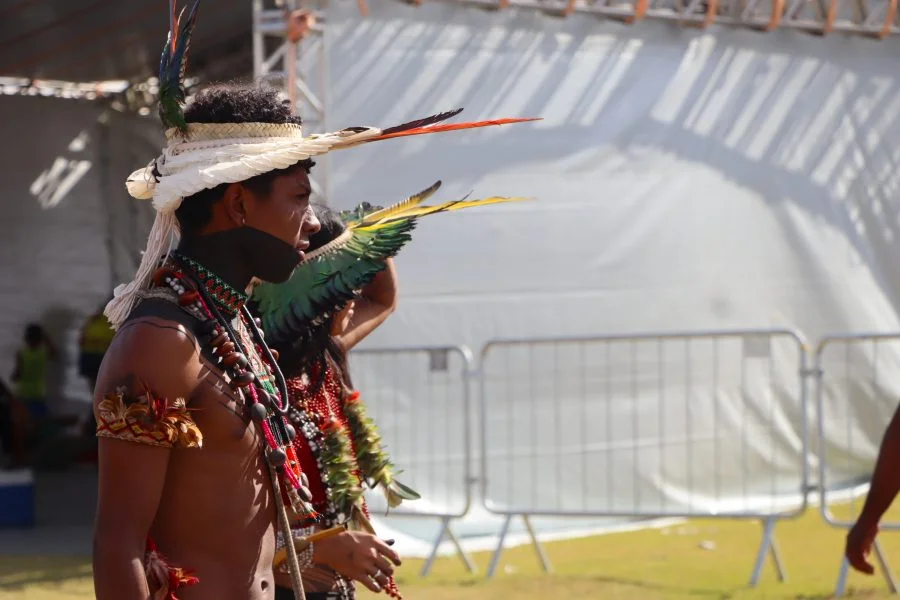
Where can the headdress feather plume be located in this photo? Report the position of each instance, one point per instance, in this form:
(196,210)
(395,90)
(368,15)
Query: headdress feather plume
(172,67)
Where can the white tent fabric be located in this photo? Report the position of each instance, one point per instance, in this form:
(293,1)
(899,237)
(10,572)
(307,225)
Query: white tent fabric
(684,180)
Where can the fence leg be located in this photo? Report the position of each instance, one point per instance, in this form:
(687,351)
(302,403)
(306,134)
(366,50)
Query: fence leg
(467,560)
(495,559)
(426,568)
(841,586)
(768,546)
(885,567)
(446,531)
(545,562)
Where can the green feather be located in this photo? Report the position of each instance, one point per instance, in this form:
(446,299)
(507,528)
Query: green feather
(172,67)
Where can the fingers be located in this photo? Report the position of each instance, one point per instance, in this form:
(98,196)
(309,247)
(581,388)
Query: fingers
(381,577)
(385,550)
(859,563)
(381,564)
(366,580)
(380,570)
(857,550)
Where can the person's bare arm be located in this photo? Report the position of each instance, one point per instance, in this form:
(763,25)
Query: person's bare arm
(147,356)
(377,301)
(882,492)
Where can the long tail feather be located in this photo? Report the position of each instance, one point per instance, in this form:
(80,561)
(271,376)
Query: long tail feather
(185,40)
(403,205)
(450,127)
(421,211)
(422,122)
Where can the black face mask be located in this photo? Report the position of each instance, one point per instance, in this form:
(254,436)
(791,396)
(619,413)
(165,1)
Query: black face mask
(270,259)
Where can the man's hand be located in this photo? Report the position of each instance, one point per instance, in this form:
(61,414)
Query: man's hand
(360,556)
(859,545)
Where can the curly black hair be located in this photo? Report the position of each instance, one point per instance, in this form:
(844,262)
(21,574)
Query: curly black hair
(232,103)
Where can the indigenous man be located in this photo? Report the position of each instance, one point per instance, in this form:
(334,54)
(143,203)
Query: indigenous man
(162,394)
(195,445)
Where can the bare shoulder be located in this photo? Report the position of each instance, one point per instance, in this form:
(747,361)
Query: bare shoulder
(149,376)
(161,352)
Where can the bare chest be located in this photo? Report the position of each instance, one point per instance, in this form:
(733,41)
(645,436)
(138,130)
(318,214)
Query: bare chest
(222,415)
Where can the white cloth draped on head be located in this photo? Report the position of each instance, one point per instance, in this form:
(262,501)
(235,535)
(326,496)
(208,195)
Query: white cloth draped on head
(209,155)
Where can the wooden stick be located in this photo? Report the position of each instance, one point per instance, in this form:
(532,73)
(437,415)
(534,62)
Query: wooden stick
(285,526)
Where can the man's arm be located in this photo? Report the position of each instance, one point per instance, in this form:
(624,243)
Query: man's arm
(882,491)
(378,300)
(151,362)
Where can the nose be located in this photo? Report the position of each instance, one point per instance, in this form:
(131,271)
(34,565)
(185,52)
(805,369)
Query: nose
(312,224)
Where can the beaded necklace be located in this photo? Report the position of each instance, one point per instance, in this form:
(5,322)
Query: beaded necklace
(341,440)
(226,298)
(249,363)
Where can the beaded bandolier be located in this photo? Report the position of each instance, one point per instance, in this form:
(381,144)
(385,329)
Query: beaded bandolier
(237,342)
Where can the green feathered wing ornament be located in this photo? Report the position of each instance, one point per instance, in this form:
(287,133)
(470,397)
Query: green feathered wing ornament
(330,276)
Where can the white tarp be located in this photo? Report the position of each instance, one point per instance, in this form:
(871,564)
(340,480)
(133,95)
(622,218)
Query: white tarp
(684,180)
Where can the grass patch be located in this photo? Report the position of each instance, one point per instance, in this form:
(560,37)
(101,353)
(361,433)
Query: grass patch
(698,560)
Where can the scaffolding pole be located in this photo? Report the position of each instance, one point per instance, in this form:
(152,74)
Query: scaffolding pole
(870,18)
(297,64)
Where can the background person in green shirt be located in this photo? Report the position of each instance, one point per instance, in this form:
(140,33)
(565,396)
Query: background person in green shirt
(30,374)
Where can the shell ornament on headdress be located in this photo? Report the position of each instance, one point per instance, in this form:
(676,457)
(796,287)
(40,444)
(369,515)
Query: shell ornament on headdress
(201,156)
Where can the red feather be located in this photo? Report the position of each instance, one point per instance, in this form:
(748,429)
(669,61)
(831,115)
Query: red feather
(451,127)
(173,26)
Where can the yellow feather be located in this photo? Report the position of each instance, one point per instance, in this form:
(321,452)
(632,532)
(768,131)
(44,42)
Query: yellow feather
(398,208)
(420,211)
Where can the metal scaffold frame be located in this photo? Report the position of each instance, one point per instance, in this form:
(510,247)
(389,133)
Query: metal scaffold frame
(871,18)
(298,65)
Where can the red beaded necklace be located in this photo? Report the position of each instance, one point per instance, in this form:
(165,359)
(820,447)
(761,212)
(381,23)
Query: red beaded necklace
(323,422)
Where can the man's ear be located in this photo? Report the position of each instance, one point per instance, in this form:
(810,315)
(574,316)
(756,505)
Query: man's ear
(234,199)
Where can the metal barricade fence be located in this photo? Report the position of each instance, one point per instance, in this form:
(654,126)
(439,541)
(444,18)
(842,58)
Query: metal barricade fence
(699,424)
(420,399)
(857,387)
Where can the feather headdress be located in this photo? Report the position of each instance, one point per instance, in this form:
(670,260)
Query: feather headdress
(201,156)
